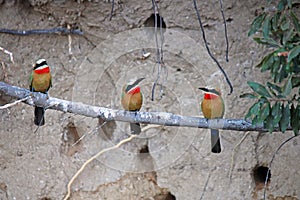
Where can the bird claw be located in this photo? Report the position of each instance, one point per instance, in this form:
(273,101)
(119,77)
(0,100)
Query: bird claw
(48,96)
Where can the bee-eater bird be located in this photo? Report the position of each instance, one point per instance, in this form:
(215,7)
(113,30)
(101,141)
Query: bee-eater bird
(40,81)
(213,107)
(132,100)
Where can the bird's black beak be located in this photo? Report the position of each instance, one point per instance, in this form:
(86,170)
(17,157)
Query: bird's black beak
(213,91)
(203,89)
(138,81)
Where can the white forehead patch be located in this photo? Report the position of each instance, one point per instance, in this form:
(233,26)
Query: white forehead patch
(40,61)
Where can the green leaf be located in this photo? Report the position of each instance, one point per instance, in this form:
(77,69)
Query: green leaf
(280,73)
(256,24)
(275,69)
(294,53)
(295,118)
(274,89)
(263,63)
(253,111)
(249,95)
(285,120)
(287,68)
(281,5)
(287,88)
(285,23)
(295,21)
(267,64)
(283,74)
(296,82)
(259,89)
(287,36)
(264,112)
(266,27)
(269,124)
(289,2)
(266,41)
(276,112)
(275,20)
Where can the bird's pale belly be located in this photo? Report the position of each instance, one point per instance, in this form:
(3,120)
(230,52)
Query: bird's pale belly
(212,108)
(41,82)
(132,102)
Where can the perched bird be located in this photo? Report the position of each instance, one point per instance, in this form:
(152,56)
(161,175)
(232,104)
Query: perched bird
(213,107)
(132,100)
(40,81)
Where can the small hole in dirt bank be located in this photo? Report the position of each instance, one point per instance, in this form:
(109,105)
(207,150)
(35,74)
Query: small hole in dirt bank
(165,195)
(259,174)
(46,198)
(170,196)
(19,153)
(144,149)
(150,21)
(229,19)
(69,138)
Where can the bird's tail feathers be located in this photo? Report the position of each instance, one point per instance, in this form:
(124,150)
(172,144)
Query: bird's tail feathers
(135,128)
(215,141)
(39,119)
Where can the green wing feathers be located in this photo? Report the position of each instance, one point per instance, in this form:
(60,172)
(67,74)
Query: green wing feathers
(30,81)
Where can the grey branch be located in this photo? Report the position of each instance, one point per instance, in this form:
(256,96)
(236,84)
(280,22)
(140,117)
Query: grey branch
(161,118)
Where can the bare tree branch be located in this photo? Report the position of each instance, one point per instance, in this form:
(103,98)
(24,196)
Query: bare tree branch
(161,118)
(57,30)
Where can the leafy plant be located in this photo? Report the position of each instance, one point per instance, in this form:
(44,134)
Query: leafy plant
(278,102)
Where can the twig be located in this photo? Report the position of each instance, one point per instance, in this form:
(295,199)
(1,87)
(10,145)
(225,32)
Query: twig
(42,31)
(270,163)
(154,5)
(159,50)
(156,81)
(4,72)
(225,29)
(207,48)
(70,42)
(14,103)
(150,126)
(233,153)
(108,114)
(112,9)
(9,53)
(91,159)
(155,11)
(89,133)
(205,186)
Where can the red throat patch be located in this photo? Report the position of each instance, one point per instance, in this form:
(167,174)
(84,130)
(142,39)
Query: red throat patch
(210,96)
(135,90)
(42,71)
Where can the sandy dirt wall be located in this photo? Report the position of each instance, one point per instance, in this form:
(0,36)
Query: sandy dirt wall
(164,162)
